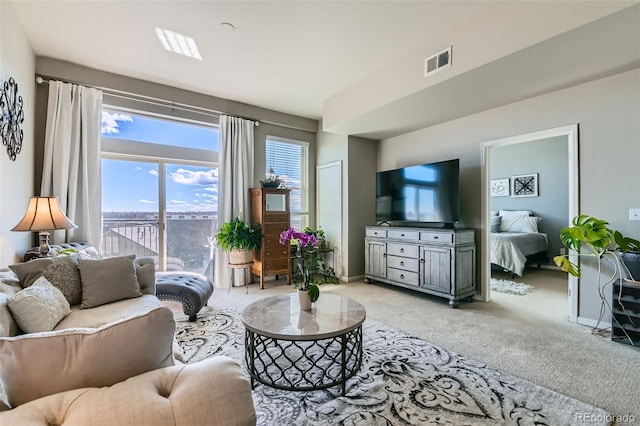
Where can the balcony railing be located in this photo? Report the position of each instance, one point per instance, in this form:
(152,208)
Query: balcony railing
(188,241)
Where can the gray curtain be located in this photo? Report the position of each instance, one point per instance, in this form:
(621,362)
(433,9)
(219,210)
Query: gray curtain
(235,179)
(71,165)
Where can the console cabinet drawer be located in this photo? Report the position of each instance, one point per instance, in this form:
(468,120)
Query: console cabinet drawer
(404,250)
(402,263)
(376,233)
(404,235)
(436,237)
(404,277)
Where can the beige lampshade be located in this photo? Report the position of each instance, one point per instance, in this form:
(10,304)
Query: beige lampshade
(44,214)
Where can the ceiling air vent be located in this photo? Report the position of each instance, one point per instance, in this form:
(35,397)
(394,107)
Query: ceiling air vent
(437,62)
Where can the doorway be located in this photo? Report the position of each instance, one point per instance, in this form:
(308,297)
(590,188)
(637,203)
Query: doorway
(491,151)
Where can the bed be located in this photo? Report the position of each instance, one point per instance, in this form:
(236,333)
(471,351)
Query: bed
(512,251)
(516,242)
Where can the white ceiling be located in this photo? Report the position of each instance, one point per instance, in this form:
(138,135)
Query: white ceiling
(289,56)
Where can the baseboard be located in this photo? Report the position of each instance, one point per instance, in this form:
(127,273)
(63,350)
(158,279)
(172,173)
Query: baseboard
(552,267)
(351,279)
(592,323)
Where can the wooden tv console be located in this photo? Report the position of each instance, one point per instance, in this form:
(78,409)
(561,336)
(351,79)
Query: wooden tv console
(441,262)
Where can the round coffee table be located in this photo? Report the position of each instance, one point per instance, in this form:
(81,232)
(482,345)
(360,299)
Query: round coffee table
(290,349)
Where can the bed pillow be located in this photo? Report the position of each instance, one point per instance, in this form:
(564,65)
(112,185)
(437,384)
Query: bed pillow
(61,271)
(528,224)
(515,213)
(493,213)
(39,307)
(108,280)
(40,364)
(495,223)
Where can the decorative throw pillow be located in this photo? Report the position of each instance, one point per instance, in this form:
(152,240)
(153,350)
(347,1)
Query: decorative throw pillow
(36,365)
(515,213)
(108,280)
(61,271)
(527,224)
(39,307)
(495,223)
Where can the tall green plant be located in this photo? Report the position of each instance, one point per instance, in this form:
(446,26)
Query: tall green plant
(602,241)
(594,234)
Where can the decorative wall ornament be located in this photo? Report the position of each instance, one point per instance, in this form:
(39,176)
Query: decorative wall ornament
(524,185)
(11,117)
(500,187)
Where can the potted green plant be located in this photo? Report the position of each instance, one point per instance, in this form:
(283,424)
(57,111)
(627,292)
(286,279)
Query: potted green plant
(321,240)
(239,239)
(272,180)
(599,238)
(603,243)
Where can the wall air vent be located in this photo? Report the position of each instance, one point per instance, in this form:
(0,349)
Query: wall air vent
(437,62)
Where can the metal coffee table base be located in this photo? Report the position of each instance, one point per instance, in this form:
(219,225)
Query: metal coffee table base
(303,365)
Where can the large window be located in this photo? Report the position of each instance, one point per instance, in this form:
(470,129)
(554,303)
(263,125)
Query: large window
(289,159)
(160,189)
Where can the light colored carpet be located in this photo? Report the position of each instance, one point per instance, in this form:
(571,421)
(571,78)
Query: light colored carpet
(528,337)
(510,287)
(403,380)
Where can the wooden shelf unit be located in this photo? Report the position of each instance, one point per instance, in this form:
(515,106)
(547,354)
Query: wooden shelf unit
(270,209)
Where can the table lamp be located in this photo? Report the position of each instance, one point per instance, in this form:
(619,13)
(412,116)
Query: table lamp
(44,214)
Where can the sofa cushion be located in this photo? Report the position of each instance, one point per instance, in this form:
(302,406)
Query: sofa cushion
(9,285)
(40,364)
(39,307)
(210,392)
(106,314)
(108,280)
(61,271)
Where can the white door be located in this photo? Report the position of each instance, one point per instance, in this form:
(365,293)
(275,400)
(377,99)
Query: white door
(329,207)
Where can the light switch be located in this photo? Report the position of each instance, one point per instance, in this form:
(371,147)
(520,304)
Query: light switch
(634,214)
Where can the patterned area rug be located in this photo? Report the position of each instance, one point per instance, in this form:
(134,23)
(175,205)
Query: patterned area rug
(403,381)
(510,287)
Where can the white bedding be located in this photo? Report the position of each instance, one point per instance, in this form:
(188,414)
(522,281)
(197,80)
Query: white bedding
(509,249)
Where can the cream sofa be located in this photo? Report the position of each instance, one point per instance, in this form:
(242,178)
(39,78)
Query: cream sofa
(93,317)
(111,364)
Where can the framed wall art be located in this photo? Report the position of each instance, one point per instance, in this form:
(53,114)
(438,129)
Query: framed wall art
(500,187)
(524,185)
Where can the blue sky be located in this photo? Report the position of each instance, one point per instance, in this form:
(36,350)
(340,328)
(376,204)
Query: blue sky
(131,186)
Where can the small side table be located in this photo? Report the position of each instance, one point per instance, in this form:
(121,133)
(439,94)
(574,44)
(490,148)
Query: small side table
(244,266)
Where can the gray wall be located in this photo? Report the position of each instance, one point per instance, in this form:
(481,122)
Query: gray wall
(358,157)
(607,112)
(17,60)
(548,158)
(361,186)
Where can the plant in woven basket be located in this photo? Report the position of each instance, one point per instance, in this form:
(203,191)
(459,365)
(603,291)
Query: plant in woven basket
(238,235)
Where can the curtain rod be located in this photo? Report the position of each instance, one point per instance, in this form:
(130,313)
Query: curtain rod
(40,79)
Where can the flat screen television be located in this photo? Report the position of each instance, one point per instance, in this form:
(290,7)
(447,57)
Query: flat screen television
(427,193)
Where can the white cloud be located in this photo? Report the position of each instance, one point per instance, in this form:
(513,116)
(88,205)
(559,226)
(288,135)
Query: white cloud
(190,177)
(153,172)
(179,202)
(207,196)
(143,201)
(109,124)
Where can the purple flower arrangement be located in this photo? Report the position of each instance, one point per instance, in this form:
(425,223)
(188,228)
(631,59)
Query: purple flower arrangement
(304,240)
